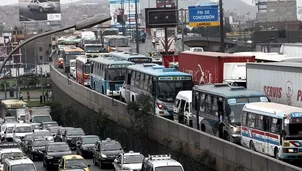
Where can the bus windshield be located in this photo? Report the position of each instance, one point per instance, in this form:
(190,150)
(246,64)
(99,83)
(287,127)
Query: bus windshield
(234,109)
(116,74)
(87,69)
(110,32)
(121,42)
(94,49)
(167,91)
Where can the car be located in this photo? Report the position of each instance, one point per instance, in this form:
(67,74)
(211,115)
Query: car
(8,151)
(53,130)
(36,148)
(85,145)
(35,126)
(53,153)
(44,134)
(70,162)
(41,5)
(46,125)
(71,136)
(131,161)
(10,119)
(59,135)
(20,130)
(106,151)
(164,162)
(24,144)
(17,162)
(8,132)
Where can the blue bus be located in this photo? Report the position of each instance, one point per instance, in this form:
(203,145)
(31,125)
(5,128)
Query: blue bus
(132,57)
(161,83)
(107,75)
(217,108)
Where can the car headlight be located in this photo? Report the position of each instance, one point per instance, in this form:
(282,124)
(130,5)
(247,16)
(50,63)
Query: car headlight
(49,157)
(68,138)
(103,155)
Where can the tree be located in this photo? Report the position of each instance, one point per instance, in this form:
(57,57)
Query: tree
(140,116)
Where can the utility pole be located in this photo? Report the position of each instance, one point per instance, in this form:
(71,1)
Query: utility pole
(222,48)
(42,90)
(136,28)
(182,29)
(166,34)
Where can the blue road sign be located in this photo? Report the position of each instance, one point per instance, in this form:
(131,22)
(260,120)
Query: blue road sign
(204,14)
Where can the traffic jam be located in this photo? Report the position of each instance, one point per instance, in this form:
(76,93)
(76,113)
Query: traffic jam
(29,135)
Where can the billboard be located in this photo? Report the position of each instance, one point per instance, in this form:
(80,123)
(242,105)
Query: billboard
(39,10)
(126,8)
(161,17)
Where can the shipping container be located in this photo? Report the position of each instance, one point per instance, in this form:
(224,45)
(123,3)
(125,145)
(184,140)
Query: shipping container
(280,81)
(208,67)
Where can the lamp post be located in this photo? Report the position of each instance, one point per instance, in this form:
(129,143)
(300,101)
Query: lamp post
(222,48)
(87,23)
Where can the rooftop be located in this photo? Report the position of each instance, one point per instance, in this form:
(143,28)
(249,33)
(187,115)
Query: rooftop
(215,54)
(278,64)
(109,60)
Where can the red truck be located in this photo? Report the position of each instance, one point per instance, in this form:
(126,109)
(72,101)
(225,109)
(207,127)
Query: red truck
(209,67)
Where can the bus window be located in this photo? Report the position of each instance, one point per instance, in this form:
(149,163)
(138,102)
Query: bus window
(187,109)
(276,126)
(243,122)
(259,122)
(251,120)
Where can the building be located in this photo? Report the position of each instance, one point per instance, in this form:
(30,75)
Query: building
(276,11)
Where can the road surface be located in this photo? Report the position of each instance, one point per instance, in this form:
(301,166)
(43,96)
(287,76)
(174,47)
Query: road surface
(40,167)
(27,15)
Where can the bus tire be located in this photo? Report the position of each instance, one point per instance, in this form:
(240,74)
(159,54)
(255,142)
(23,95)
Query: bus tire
(252,146)
(132,98)
(276,151)
(203,128)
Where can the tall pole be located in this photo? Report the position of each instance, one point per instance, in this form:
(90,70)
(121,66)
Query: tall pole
(136,28)
(182,29)
(42,90)
(166,35)
(222,48)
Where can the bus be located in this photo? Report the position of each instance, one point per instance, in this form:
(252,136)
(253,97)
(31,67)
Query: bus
(107,75)
(272,129)
(132,57)
(83,70)
(109,32)
(117,43)
(93,50)
(70,53)
(217,108)
(15,108)
(162,84)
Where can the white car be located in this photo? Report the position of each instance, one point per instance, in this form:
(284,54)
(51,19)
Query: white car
(41,5)
(8,152)
(20,130)
(43,134)
(8,131)
(128,161)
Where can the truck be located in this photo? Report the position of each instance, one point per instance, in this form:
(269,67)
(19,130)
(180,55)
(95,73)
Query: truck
(40,114)
(291,49)
(280,81)
(208,67)
(160,45)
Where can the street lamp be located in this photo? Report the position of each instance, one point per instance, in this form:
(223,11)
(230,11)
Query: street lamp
(87,23)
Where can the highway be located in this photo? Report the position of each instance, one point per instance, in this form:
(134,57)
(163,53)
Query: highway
(40,167)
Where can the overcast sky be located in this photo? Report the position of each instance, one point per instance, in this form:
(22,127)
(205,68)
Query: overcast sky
(7,2)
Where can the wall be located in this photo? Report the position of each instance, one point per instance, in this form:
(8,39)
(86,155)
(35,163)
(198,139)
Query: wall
(229,157)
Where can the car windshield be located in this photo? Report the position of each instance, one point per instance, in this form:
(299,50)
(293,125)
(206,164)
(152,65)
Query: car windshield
(41,119)
(87,69)
(129,159)
(169,168)
(115,74)
(111,147)
(90,140)
(43,0)
(72,64)
(9,130)
(110,32)
(167,91)
(76,164)
(40,143)
(54,129)
(23,167)
(41,133)
(51,124)
(23,129)
(94,49)
(58,148)
(118,42)
(11,119)
(35,126)
(75,133)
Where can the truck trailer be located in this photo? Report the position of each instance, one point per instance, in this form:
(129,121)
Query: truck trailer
(209,67)
(280,81)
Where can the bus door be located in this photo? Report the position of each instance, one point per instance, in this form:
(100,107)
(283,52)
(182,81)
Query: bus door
(220,115)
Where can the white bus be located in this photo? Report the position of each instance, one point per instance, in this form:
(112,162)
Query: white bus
(273,129)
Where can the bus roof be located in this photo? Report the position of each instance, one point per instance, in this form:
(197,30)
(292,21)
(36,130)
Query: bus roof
(115,37)
(109,60)
(127,55)
(14,103)
(82,58)
(156,70)
(73,49)
(224,90)
(270,108)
